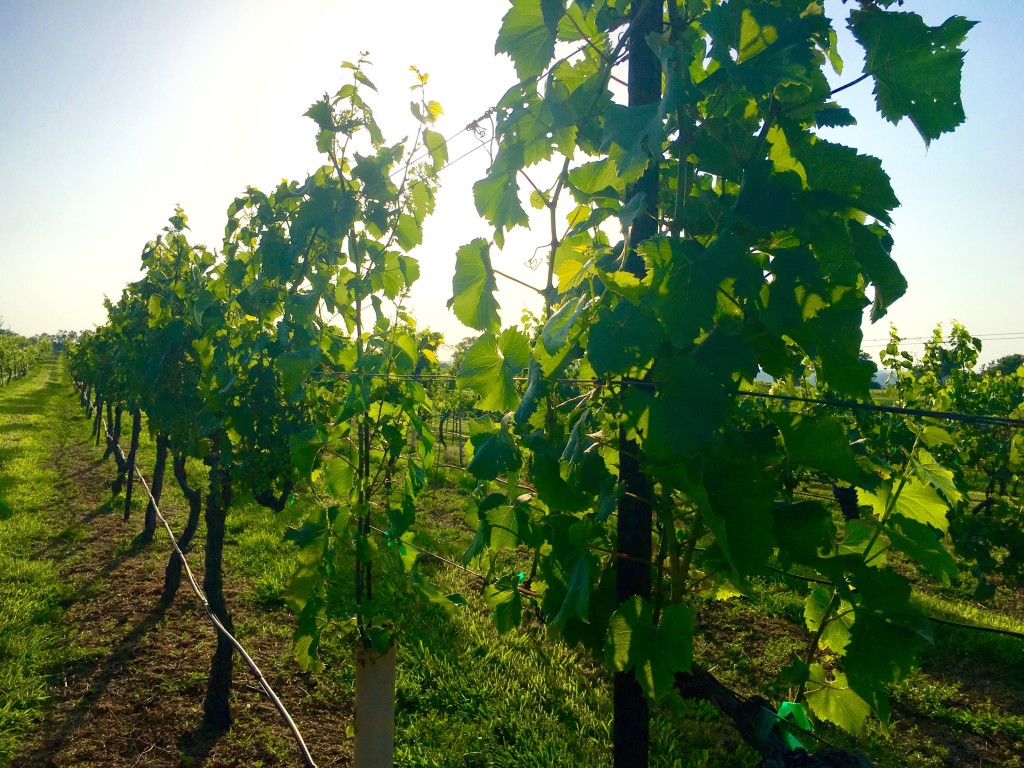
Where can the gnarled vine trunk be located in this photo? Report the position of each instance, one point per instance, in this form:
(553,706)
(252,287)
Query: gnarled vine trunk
(159,468)
(216,706)
(129,469)
(172,574)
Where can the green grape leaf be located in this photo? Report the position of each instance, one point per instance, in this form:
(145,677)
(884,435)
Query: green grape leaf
(490,366)
(430,592)
(836,634)
(835,701)
(820,442)
(322,114)
(408,232)
(305,447)
(593,177)
(754,37)
(805,531)
(494,449)
(473,287)
(577,592)
(740,486)
(407,554)
(916,501)
(655,654)
(502,521)
(621,338)
(339,475)
(937,476)
(855,180)
(527,35)
(438,149)
(497,200)
(306,639)
(856,536)
(881,652)
(308,533)
(507,604)
(872,246)
(933,436)
(918,541)
(917,68)
(295,368)
(630,634)
(631,130)
(555,333)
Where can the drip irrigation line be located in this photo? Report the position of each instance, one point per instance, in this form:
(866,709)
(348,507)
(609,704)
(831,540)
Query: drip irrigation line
(278,705)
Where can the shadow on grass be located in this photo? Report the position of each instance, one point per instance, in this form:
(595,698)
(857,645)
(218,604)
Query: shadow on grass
(199,742)
(101,673)
(28,403)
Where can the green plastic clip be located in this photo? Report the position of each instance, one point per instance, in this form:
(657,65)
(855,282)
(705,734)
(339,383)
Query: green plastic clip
(794,713)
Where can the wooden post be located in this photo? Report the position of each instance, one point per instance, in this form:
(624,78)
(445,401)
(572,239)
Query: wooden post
(631,715)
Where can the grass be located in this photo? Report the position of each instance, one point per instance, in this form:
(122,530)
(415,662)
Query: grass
(32,639)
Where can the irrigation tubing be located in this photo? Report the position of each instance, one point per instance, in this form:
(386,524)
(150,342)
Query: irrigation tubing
(278,704)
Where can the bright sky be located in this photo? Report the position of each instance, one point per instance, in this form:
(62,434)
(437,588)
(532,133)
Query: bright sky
(112,112)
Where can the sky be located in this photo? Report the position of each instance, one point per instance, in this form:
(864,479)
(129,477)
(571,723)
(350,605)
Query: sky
(112,112)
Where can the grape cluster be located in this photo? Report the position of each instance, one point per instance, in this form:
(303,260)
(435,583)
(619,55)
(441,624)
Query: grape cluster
(267,468)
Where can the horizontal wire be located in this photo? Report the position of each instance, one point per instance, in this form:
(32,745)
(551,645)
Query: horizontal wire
(987,419)
(441,558)
(1001,421)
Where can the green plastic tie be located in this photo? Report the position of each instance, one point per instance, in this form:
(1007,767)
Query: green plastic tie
(792,712)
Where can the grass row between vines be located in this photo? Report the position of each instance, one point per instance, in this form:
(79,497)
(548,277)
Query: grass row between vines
(33,532)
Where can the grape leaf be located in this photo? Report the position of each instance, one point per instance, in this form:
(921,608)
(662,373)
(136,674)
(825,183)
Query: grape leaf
(836,635)
(820,442)
(621,338)
(527,35)
(916,501)
(655,653)
(872,246)
(473,287)
(856,180)
(438,149)
(490,365)
(497,200)
(507,604)
(835,701)
(937,476)
(917,69)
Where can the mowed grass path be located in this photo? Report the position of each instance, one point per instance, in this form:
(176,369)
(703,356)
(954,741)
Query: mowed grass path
(35,416)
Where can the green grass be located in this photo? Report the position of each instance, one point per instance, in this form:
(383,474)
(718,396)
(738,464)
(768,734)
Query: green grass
(33,411)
